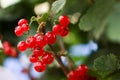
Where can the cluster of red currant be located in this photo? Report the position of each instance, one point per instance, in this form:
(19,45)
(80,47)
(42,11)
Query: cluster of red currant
(9,50)
(62,28)
(22,27)
(37,42)
(80,74)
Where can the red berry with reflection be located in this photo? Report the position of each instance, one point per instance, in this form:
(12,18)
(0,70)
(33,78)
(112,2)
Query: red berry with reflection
(72,75)
(41,40)
(39,66)
(22,46)
(25,27)
(64,20)
(19,31)
(64,31)
(33,58)
(37,51)
(56,29)
(7,48)
(47,58)
(51,37)
(82,70)
(22,21)
(31,41)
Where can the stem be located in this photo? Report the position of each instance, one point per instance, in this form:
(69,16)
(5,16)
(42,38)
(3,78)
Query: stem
(59,60)
(40,28)
(62,46)
(69,59)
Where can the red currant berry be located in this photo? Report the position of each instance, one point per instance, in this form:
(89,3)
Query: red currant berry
(7,48)
(6,44)
(82,70)
(64,20)
(25,27)
(33,58)
(39,66)
(41,40)
(31,41)
(22,46)
(51,37)
(22,21)
(82,78)
(56,29)
(64,31)
(19,31)
(47,58)
(38,51)
(13,52)
(72,75)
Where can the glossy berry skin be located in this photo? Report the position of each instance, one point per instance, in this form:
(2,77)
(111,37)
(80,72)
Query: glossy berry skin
(37,51)
(73,75)
(25,27)
(33,58)
(19,31)
(64,20)
(39,66)
(22,46)
(64,31)
(41,40)
(7,48)
(82,70)
(22,21)
(56,29)
(51,37)
(31,41)
(47,58)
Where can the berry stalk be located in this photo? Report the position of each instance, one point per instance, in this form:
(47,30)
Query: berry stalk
(65,70)
(62,47)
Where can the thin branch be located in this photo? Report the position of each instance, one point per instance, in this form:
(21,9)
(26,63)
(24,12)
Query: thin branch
(59,60)
(69,59)
(62,46)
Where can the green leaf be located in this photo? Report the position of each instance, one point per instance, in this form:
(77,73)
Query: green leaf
(74,6)
(16,11)
(58,5)
(44,17)
(116,76)
(106,64)
(113,29)
(97,31)
(96,15)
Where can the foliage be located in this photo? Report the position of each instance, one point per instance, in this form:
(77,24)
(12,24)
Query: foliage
(106,65)
(58,5)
